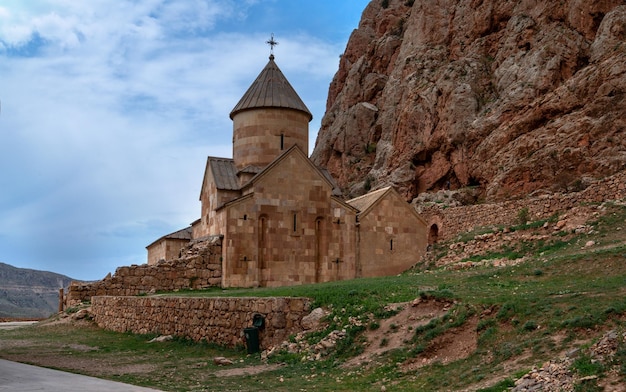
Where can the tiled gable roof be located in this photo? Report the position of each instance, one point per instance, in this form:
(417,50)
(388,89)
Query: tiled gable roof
(362,203)
(183,234)
(224,173)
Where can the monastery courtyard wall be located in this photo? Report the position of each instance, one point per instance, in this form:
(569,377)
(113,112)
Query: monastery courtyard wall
(199,267)
(453,221)
(215,320)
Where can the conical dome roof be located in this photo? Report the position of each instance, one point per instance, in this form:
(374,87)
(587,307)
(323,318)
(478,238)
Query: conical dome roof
(270,90)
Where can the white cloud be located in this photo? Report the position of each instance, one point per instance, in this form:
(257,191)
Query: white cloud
(109,112)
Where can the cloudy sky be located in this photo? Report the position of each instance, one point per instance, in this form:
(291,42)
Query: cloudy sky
(110,108)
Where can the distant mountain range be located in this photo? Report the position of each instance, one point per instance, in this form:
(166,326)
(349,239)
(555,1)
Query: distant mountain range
(27,293)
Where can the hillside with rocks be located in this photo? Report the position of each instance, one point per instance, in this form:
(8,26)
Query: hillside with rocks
(507,97)
(27,293)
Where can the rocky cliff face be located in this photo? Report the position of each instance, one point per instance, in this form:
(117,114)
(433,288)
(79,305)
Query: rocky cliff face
(514,97)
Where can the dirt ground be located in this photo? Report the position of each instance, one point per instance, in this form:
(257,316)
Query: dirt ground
(396,331)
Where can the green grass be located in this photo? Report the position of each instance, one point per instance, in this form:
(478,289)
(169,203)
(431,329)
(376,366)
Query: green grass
(560,289)
(584,366)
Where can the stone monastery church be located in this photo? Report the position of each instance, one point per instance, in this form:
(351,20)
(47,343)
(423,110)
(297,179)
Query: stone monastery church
(280,218)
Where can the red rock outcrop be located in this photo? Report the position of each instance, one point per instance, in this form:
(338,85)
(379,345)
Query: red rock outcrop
(512,96)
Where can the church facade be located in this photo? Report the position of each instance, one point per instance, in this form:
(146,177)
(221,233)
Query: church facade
(281,219)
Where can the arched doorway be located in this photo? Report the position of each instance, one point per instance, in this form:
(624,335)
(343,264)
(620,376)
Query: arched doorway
(433,234)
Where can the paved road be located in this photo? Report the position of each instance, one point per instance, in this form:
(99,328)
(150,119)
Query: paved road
(16,324)
(18,377)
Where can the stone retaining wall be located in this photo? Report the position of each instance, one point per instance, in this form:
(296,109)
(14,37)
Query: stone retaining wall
(455,220)
(199,267)
(216,320)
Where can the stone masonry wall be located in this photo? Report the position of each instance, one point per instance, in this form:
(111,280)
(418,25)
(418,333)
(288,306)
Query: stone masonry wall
(199,267)
(216,320)
(455,220)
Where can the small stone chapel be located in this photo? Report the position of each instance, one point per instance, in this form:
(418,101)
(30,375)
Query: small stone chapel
(281,219)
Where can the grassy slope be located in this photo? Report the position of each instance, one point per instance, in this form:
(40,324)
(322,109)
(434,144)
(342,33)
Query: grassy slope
(562,296)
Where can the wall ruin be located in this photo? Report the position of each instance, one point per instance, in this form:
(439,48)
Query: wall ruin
(199,267)
(453,221)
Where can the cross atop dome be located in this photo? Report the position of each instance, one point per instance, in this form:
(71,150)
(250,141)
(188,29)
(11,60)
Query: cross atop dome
(271,42)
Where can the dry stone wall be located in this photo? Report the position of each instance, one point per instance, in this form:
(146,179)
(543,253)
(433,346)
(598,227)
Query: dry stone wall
(455,220)
(216,320)
(199,267)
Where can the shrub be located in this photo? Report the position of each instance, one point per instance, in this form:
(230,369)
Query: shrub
(370,148)
(441,293)
(620,358)
(523,216)
(484,324)
(507,311)
(487,335)
(580,322)
(530,325)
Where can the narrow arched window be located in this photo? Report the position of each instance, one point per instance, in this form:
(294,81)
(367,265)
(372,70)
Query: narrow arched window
(262,246)
(390,244)
(295,222)
(282,141)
